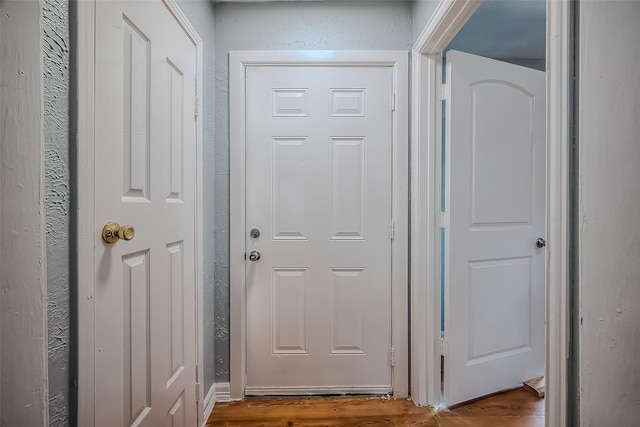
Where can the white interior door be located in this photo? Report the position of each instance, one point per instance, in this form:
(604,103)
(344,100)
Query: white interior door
(494,295)
(319,189)
(145,148)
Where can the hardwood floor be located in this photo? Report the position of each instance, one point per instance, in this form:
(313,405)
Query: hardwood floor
(516,408)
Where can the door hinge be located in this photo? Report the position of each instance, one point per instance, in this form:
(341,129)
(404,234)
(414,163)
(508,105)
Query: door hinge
(196,106)
(444,348)
(445,91)
(392,230)
(393,102)
(197,383)
(443,220)
(392,354)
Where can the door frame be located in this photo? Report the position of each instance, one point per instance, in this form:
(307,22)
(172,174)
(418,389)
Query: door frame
(88,234)
(238,63)
(446,21)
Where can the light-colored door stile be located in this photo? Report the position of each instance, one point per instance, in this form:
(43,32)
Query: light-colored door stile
(145,153)
(319,188)
(495,293)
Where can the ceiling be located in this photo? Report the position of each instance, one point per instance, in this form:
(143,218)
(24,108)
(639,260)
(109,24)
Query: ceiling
(503,29)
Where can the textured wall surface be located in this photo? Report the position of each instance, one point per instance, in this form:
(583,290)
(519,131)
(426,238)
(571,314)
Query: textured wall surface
(201,15)
(421,11)
(608,206)
(23,362)
(282,26)
(55,39)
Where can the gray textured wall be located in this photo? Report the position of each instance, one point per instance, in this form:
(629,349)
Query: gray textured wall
(263,26)
(608,239)
(23,312)
(201,15)
(421,11)
(55,39)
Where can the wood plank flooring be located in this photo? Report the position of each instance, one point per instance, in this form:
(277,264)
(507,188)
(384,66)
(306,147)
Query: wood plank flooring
(515,408)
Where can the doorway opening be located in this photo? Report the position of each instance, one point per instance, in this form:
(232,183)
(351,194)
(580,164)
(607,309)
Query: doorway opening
(492,175)
(448,19)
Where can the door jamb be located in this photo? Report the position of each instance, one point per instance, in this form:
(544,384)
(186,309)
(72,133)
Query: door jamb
(86,227)
(239,61)
(447,20)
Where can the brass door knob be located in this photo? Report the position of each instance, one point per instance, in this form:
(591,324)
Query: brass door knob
(112,232)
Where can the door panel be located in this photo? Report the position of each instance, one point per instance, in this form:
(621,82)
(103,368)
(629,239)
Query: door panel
(494,297)
(290,186)
(319,180)
(347,311)
(348,188)
(145,176)
(501,187)
(289,304)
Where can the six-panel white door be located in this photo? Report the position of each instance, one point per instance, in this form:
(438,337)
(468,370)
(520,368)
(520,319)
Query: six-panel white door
(145,139)
(494,298)
(319,189)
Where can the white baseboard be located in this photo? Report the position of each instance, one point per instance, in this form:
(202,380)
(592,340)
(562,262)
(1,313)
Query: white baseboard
(209,403)
(222,392)
(310,391)
(219,392)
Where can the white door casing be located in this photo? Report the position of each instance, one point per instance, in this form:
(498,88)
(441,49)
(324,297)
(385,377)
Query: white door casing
(495,274)
(240,62)
(142,292)
(319,187)
(447,19)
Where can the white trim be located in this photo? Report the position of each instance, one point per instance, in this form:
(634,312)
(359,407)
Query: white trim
(448,18)
(312,391)
(23,279)
(238,61)
(444,24)
(218,392)
(400,212)
(425,309)
(199,231)
(559,120)
(222,392)
(86,209)
(209,403)
(237,223)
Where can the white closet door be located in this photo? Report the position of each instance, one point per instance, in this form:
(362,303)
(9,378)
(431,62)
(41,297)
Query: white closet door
(494,295)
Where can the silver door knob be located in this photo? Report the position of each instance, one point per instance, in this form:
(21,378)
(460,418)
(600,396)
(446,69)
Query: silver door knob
(254,256)
(541,243)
